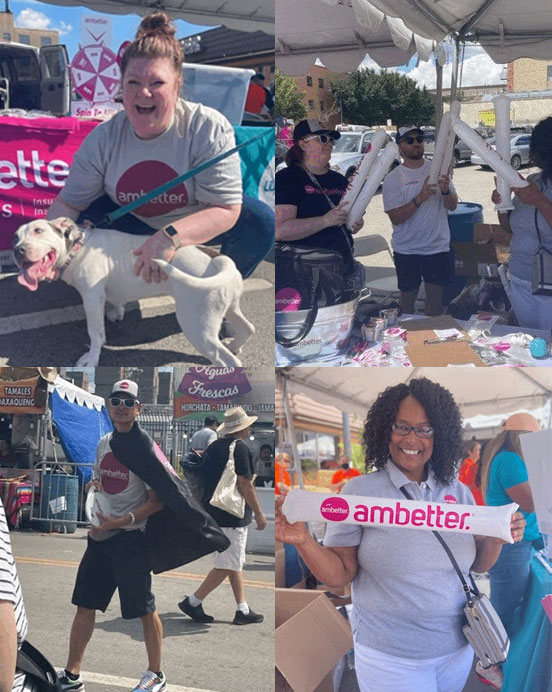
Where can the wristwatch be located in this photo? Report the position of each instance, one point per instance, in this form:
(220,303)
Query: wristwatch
(172,234)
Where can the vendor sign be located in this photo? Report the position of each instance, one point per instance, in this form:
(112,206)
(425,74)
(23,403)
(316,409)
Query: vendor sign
(302,505)
(22,396)
(209,389)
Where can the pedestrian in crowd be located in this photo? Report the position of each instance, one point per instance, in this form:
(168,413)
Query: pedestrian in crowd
(256,95)
(264,466)
(504,479)
(468,474)
(157,137)
(343,474)
(140,488)
(407,599)
(531,217)
(13,620)
(236,426)
(201,439)
(418,214)
(282,480)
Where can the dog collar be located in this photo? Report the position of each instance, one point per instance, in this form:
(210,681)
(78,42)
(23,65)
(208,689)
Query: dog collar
(85,234)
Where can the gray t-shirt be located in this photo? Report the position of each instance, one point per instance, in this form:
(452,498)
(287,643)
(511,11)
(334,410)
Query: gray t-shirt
(407,598)
(123,489)
(427,231)
(525,243)
(203,438)
(113,160)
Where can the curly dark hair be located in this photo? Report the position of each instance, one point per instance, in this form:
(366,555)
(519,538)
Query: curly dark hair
(540,148)
(442,413)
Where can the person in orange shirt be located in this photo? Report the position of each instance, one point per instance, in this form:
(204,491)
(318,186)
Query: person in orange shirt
(468,470)
(256,96)
(282,481)
(341,476)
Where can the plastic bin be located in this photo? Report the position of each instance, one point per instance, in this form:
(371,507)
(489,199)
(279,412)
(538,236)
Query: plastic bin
(462,220)
(222,88)
(59,501)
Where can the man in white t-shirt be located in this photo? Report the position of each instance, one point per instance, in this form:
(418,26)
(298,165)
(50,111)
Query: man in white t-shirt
(116,556)
(203,438)
(418,212)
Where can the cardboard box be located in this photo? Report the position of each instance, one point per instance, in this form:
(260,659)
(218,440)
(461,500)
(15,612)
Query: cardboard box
(501,239)
(475,259)
(310,638)
(280,569)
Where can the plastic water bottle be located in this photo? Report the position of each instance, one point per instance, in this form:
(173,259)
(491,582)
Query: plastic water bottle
(351,659)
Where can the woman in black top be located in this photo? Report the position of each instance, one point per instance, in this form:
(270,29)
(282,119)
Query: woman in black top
(303,214)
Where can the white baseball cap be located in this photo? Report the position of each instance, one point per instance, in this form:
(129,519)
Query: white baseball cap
(125,388)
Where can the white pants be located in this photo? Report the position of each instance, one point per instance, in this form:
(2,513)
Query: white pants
(380,672)
(533,312)
(234,556)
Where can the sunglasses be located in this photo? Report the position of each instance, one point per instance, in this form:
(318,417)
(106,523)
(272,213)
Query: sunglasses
(322,138)
(411,140)
(116,401)
(423,431)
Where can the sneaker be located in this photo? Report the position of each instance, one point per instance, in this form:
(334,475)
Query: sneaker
(67,683)
(195,612)
(243,619)
(491,676)
(151,682)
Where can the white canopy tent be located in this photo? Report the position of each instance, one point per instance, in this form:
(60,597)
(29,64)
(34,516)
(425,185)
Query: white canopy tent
(476,391)
(245,15)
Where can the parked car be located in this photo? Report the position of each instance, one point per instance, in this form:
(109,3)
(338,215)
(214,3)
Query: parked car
(519,152)
(349,149)
(462,151)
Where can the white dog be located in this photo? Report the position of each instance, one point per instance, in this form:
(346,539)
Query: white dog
(100,265)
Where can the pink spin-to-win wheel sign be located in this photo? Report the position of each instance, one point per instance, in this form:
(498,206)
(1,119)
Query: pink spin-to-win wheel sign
(95,73)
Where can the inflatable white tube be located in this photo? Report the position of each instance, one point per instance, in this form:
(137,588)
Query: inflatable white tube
(447,157)
(303,505)
(359,178)
(488,154)
(440,148)
(502,133)
(376,174)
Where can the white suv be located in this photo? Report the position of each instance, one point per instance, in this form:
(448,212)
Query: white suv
(349,149)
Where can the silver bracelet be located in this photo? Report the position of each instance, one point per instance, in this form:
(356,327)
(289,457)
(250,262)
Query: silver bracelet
(132,517)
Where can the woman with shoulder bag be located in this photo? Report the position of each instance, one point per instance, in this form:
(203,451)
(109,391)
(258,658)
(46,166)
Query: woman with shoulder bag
(408,602)
(309,211)
(530,223)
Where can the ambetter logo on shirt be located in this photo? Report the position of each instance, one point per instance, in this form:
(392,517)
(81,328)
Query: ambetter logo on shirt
(144,177)
(115,476)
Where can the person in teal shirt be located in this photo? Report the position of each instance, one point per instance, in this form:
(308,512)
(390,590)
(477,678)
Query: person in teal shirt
(504,479)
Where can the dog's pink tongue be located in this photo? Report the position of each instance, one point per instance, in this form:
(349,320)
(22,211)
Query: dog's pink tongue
(27,277)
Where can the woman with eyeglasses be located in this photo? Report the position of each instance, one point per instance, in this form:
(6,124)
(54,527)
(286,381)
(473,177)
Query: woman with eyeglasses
(407,598)
(304,214)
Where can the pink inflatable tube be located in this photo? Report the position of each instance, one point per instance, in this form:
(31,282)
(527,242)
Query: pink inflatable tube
(302,505)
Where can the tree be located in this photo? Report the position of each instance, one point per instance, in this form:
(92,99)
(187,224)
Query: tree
(371,98)
(288,99)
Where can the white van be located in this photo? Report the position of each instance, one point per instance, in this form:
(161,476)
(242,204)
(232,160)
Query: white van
(35,79)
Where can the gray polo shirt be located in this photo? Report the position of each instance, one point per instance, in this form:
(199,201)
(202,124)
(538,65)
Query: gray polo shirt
(407,598)
(203,438)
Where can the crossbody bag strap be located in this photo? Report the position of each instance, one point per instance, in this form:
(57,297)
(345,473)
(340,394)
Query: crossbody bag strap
(448,551)
(316,183)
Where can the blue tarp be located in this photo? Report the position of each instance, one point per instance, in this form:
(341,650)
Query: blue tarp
(80,428)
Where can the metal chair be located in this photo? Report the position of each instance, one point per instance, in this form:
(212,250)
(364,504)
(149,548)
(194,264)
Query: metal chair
(380,280)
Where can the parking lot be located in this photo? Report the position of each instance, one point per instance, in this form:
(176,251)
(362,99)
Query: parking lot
(473,184)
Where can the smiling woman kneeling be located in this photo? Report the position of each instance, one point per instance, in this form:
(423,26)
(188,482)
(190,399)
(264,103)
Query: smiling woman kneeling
(407,599)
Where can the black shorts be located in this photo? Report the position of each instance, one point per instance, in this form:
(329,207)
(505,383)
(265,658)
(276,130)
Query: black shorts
(433,269)
(121,562)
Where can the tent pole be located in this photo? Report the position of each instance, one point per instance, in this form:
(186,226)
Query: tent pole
(347,446)
(291,429)
(438,95)
(454,75)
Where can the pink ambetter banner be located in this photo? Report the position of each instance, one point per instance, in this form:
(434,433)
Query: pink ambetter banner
(209,389)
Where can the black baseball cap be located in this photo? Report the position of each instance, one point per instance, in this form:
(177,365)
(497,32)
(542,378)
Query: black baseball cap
(210,420)
(312,127)
(402,132)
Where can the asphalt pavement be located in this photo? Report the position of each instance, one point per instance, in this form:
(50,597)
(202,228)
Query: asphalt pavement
(215,657)
(48,327)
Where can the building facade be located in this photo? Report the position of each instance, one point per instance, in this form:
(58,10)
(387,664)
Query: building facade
(526,74)
(318,99)
(9,33)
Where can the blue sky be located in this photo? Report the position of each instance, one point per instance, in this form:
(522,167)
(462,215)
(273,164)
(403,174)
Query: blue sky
(39,15)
